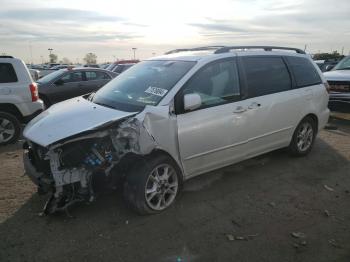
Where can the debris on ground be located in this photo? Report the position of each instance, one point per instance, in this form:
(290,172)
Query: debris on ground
(328,188)
(299,245)
(334,243)
(298,235)
(231,237)
(326,212)
(272,204)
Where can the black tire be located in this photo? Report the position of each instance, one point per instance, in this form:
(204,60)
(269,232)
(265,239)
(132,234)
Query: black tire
(12,123)
(137,178)
(294,147)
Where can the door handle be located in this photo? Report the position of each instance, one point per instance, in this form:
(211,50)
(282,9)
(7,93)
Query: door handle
(254,105)
(240,109)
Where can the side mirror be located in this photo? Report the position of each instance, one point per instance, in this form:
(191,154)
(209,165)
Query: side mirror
(59,82)
(192,102)
(329,67)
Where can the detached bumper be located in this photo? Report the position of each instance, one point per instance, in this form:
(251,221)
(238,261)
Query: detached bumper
(38,178)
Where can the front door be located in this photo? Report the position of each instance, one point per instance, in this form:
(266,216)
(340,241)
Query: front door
(213,135)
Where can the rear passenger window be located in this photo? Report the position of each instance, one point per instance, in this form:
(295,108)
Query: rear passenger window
(304,72)
(7,73)
(266,75)
(96,75)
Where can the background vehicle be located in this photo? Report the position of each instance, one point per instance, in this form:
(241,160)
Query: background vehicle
(112,66)
(339,83)
(19,101)
(67,83)
(177,116)
(122,67)
(327,65)
(57,67)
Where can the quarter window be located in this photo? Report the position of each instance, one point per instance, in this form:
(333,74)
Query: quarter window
(7,73)
(266,75)
(217,83)
(304,72)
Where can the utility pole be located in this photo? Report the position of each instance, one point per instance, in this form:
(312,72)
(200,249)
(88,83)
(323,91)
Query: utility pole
(50,51)
(305,47)
(134,49)
(342,51)
(31,53)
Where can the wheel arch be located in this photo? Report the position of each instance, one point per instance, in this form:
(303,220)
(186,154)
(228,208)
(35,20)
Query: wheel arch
(12,109)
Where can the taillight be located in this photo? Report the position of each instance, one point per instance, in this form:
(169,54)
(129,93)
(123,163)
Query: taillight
(34,92)
(327,86)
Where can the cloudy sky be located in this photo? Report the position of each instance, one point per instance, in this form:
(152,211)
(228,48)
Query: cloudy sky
(111,28)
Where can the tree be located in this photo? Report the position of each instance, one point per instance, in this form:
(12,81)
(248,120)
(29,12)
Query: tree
(53,58)
(65,60)
(90,58)
(327,56)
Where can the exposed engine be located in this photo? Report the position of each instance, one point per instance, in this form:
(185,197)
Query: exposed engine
(68,169)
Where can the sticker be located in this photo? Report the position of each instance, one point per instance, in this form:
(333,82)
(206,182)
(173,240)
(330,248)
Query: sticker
(157,91)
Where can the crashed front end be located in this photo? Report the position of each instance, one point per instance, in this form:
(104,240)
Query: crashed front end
(67,168)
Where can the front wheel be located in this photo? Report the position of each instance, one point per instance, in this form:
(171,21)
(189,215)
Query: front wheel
(10,128)
(303,137)
(152,185)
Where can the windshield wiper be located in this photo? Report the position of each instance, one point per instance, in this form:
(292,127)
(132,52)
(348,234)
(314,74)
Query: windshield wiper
(105,105)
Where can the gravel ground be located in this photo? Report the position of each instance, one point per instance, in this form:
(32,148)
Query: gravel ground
(259,203)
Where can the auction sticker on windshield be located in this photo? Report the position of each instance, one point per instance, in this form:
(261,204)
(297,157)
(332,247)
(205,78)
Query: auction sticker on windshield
(156,91)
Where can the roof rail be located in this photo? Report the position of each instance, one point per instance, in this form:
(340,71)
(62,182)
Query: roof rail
(6,56)
(226,49)
(203,48)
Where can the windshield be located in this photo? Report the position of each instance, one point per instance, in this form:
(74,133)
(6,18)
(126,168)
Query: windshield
(48,78)
(145,83)
(344,64)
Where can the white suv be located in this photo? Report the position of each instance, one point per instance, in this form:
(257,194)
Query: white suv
(19,101)
(174,117)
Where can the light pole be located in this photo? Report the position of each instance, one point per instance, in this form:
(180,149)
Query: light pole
(134,49)
(50,50)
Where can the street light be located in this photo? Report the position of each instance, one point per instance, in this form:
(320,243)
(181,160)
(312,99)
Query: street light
(134,49)
(50,50)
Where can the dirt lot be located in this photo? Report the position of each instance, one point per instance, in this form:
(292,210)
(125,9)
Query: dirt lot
(263,200)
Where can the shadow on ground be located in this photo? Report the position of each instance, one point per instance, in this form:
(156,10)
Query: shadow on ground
(264,199)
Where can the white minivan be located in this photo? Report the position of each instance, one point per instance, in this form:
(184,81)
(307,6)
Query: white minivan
(174,117)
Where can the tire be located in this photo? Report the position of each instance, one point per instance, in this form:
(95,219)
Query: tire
(10,128)
(148,193)
(303,137)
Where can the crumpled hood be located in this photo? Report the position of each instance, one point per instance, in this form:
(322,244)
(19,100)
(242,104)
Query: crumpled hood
(337,75)
(69,118)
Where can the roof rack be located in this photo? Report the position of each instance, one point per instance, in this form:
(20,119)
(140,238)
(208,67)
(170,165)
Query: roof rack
(203,48)
(6,56)
(226,49)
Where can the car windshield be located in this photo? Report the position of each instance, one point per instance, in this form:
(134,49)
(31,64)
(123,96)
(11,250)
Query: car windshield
(48,78)
(344,64)
(143,84)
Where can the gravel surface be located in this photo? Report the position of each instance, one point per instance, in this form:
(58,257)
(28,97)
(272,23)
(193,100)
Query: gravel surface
(270,208)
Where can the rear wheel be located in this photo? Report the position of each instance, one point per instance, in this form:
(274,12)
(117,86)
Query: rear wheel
(153,185)
(10,128)
(303,137)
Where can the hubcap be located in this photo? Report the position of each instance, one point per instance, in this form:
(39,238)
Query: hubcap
(7,130)
(305,137)
(161,187)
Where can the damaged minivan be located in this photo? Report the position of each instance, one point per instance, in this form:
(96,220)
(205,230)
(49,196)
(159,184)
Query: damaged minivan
(174,117)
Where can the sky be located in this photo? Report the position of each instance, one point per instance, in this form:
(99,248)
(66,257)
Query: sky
(110,29)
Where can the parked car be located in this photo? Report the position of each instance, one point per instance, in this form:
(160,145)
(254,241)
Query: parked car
(339,83)
(67,83)
(122,67)
(112,66)
(19,101)
(327,65)
(58,67)
(34,73)
(174,117)
(92,65)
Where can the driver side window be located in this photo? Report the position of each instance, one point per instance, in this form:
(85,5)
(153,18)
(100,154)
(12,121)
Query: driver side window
(216,83)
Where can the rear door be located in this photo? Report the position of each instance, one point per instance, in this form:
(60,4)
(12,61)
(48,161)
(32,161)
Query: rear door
(272,105)
(213,135)
(95,80)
